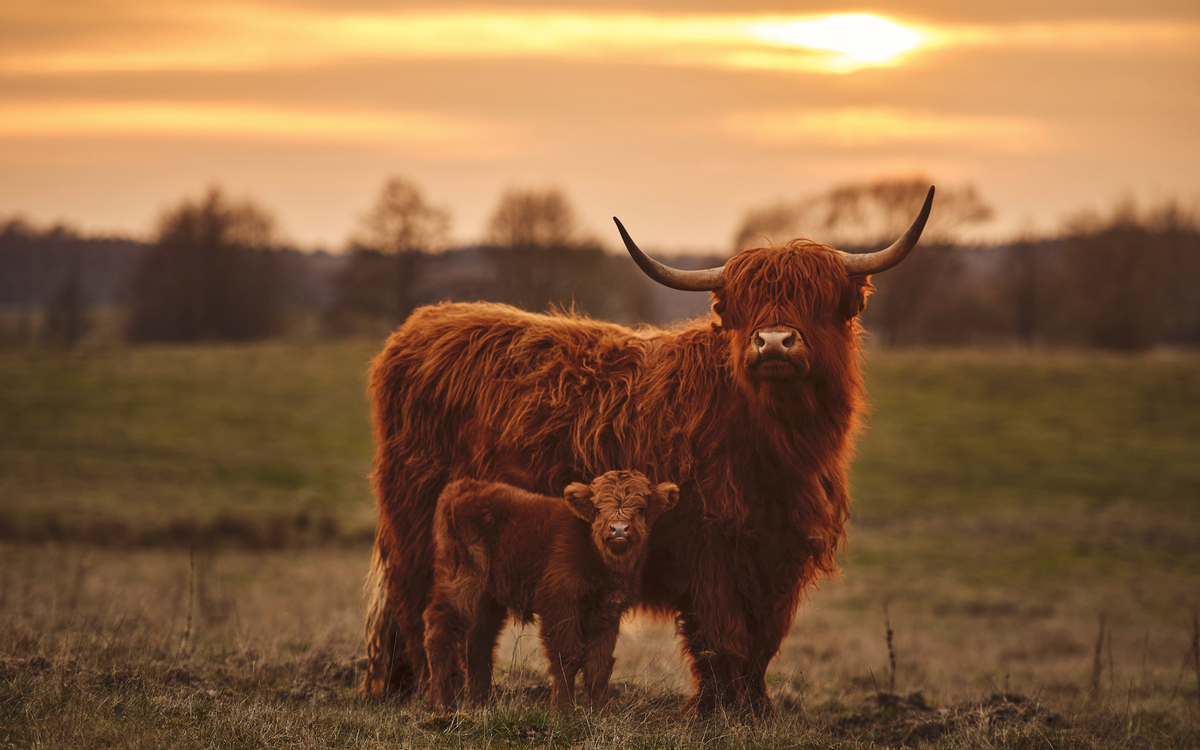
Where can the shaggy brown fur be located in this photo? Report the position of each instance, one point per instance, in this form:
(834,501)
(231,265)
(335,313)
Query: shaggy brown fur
(575,561)
(758,446)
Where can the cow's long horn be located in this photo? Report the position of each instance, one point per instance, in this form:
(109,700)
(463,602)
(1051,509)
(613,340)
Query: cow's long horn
(704,280)
(867,263)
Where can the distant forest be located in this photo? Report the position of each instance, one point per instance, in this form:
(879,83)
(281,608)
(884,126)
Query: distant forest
(1126,280)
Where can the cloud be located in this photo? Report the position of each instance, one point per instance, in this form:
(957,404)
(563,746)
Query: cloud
(240,36)
(430,132)
(1157,36)
(869,126)
(132,35)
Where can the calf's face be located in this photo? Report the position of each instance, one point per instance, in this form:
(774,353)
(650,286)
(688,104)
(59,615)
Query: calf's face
(620,506)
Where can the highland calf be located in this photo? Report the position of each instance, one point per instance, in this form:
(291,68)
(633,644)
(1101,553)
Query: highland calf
(574,561)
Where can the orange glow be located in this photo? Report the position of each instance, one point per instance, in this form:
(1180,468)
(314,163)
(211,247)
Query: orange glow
(240,120)
(246,36)
(241,36)
(863,126)
(1105,35)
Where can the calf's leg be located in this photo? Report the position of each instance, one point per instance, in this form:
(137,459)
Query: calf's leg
(445,634)
(481,649)
(563,644)
(598,666)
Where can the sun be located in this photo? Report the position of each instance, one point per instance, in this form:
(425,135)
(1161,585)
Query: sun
(862,38)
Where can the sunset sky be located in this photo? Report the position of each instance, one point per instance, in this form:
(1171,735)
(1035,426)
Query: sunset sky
(676,115)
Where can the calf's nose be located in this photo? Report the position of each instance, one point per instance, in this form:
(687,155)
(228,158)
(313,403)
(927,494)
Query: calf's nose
(618,530)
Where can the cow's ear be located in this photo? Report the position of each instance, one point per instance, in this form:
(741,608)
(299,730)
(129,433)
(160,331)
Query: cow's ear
(666,494)
(579,499)
(854,296)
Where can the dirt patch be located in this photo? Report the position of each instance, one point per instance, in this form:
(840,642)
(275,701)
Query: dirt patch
(909,721)
(315,693)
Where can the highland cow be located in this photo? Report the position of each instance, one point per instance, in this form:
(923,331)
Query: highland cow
(752,412)
(575,561)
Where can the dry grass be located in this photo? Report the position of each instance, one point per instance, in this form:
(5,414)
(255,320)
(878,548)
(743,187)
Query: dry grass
(1004,504)
(231,648)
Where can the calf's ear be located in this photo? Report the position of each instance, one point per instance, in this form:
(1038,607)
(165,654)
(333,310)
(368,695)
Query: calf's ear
(579,498)
(667,494)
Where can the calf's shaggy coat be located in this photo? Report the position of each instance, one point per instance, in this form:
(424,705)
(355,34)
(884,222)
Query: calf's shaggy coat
(575,561)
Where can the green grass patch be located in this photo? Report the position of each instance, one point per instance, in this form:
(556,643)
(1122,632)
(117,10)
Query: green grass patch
(149,435)
(971,431)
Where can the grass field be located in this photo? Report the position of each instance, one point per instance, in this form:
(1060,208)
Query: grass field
(151,437)
(1028,524)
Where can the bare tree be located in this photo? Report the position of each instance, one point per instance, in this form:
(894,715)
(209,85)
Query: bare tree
(1022,272)
(534,239)
(66,317)
(1127,280)
(366,295)
(403,224)
(532,218)
(545,261)
(402,220)
(865,214)
(211,275)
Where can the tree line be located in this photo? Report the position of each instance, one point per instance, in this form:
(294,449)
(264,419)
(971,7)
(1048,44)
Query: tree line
(1127,279)
(533,256)
(217,270)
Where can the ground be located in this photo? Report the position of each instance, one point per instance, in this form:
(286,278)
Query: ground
(185,532)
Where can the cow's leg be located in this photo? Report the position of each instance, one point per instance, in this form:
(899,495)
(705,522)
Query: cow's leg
(754,695)
(754,683)
(391,669)
(724,680)
(713,626)
(562,682)
(715,671)
(770,616)
(388,669)
(400,578)
(481,649)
